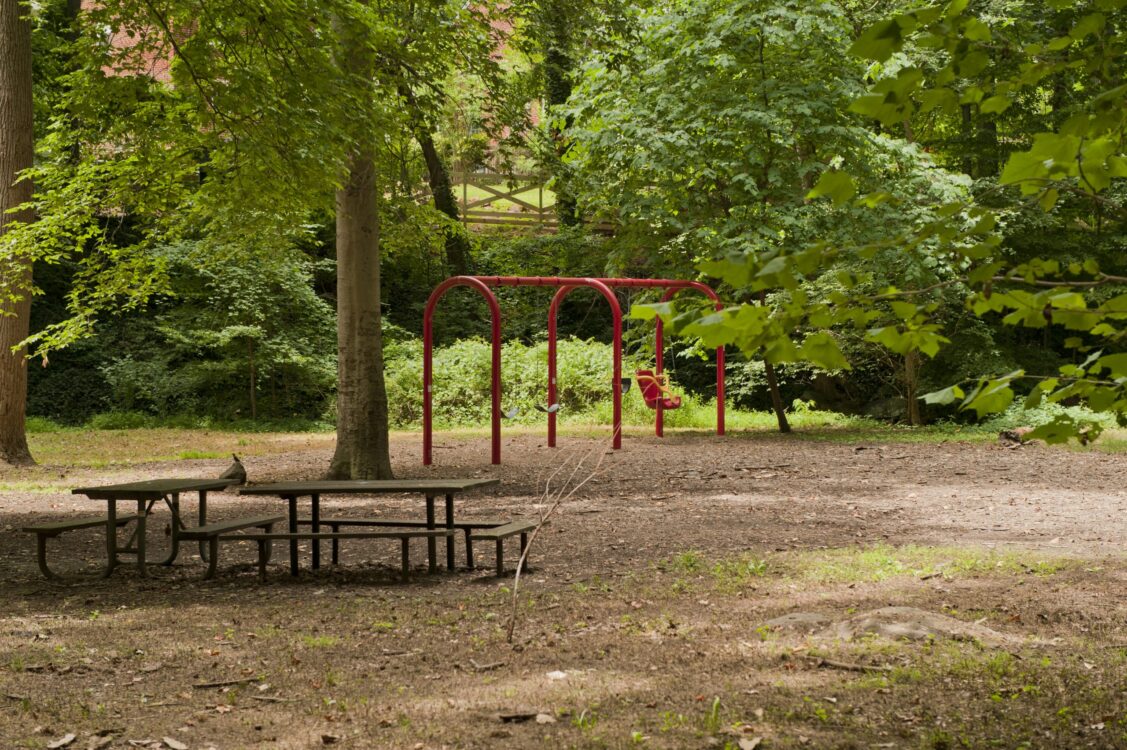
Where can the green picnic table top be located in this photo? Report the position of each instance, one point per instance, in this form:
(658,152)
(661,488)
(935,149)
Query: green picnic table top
(152,489)
(371,486)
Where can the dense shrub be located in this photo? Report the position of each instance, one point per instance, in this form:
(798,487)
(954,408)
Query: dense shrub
(462,382)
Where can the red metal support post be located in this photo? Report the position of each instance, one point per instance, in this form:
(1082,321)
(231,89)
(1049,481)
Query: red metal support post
(603,288)
(709,292)
(428,362)
(484,284)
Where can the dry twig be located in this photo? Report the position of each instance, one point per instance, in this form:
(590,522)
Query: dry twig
(553,499)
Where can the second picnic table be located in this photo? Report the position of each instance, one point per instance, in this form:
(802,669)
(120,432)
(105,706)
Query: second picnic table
(146,494)
(429,488)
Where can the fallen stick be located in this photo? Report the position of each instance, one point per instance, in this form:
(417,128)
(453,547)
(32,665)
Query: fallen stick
(224,683)
(849,666)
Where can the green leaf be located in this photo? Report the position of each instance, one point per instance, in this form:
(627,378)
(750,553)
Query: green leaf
(948,395)
(991,397)
(838,186)
(1115,364)
(903,310)
(1060,430)
(881,39)
(995,104)
(822,350)
(652,311)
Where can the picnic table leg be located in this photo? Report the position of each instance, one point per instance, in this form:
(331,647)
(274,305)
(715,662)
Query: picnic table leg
(141,538)
(293,530)
(450,538)
(111,539)
(173,502)
(432,545)
(469,548)
(204,548)
(315,524)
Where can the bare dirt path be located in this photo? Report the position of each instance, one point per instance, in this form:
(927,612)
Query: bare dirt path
(642,624)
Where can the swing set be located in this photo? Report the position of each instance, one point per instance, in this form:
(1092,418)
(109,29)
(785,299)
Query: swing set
(653,384)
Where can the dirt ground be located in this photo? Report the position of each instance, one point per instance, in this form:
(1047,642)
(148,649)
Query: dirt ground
(645,621)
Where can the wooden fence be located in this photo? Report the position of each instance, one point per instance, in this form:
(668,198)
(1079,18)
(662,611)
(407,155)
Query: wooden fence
(516,200)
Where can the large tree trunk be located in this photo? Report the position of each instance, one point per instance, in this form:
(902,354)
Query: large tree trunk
(362,429)
(17,150)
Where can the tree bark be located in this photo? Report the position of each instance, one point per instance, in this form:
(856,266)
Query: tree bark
(441,189)
(17,151)
(911,388)
(773,385)
(457,245)
(362,422)
(557,81)
(776,398)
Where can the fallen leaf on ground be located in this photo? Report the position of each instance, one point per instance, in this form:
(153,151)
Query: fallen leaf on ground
(174,743)
(61,742)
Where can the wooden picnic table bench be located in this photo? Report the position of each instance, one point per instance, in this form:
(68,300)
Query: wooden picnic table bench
(45,531)
(212,532)
(499,534)
(429,488)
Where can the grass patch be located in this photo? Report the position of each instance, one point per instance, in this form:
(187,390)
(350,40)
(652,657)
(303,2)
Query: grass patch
(104,448)
(193,455)
(881,562)
(33,487)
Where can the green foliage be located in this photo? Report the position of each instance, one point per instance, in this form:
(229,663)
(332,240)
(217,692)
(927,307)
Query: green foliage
(727,176)
(1038,91)
(232,331)
(462,380)
(245,136)
(40,425)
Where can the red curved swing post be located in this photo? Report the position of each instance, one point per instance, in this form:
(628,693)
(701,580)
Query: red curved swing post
(564,285)
(428,361)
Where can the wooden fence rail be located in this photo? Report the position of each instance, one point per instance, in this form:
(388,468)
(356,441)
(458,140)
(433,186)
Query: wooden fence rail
(515,200)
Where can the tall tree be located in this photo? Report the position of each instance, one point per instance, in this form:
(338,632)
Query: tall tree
(705,138)
(362,445)
(16,155)
(271,112)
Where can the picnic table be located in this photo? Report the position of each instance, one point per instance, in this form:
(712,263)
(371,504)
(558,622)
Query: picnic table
(146,494)
(429,488)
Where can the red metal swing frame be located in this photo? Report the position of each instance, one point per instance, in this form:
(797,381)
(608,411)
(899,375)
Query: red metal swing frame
(564,286)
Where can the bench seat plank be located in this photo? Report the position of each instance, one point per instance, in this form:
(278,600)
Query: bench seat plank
(213,532)
(45,531)
(222,527)
(470,524)
(500,533)
(58,527)
(265,540)
(504,532)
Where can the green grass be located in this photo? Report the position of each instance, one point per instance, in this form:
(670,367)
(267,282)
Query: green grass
(193,455)
(881,562)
